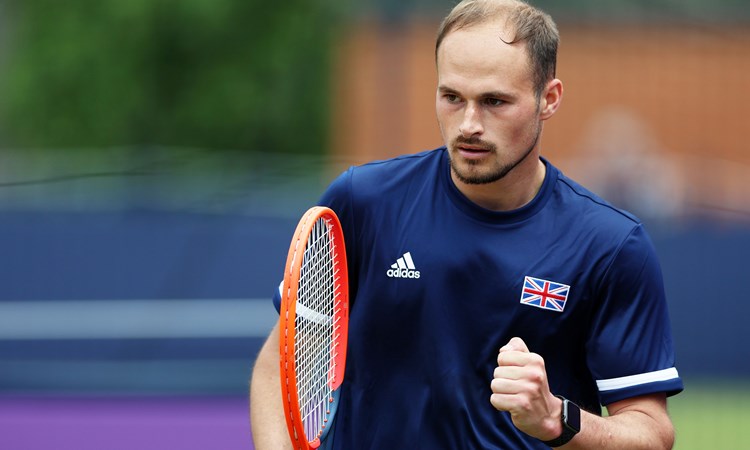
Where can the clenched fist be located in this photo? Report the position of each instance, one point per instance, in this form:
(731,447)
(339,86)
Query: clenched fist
(520,387)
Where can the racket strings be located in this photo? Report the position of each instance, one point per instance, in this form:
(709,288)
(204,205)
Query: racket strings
(316,327)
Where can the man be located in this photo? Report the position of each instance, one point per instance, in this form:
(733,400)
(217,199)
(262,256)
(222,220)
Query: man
(506,253)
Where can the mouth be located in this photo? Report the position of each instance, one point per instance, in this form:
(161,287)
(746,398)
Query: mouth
(472,151)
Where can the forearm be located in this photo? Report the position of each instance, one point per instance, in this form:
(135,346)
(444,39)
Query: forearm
(520,387)
(266,411)
(642,425)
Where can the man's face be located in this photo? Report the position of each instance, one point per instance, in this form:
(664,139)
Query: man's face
(486,107)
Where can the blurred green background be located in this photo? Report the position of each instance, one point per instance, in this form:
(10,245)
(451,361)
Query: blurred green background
(211,74)
(162,150)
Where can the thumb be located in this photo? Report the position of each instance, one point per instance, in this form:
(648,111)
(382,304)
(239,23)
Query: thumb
(515,344)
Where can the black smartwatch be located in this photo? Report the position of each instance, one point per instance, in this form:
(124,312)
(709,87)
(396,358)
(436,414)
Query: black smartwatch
(571,423)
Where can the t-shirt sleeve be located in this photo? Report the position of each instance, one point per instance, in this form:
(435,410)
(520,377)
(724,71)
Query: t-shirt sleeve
(630,350)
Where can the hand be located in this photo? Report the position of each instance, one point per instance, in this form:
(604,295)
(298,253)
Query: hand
(520,387)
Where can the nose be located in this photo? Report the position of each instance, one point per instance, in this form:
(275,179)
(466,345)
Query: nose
(471,124)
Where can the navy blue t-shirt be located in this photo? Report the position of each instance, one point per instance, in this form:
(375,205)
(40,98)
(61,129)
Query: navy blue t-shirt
(438,284)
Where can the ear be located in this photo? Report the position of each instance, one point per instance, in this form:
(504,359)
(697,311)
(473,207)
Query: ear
(550,99)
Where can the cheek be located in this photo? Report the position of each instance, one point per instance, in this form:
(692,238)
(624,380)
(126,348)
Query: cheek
(519,125)
(443,118)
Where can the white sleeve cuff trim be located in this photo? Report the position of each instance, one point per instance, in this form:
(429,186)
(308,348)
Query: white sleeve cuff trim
(635,380)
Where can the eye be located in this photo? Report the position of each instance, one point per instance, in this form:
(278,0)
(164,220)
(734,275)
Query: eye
(490,101)
(451,98)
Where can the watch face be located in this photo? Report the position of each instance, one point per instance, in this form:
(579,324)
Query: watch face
(572,416)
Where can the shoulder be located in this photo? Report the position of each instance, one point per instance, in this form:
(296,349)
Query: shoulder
(612,239)
(376,178)
(590,209)
(361,188)
(385,171)
(611,235)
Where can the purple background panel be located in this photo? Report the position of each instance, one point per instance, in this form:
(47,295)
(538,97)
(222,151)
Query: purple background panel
(124,423)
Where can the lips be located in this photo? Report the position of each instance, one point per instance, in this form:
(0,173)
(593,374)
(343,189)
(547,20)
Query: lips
(470,148)
(472,152)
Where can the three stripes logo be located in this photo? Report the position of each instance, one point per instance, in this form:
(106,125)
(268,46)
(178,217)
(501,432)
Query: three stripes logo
(403,268)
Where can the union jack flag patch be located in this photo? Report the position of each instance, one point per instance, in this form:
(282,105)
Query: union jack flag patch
(544,294)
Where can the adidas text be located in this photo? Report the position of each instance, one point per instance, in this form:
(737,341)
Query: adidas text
(402,273)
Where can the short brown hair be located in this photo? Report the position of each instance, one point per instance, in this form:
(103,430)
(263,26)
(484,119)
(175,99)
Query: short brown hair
(531,25)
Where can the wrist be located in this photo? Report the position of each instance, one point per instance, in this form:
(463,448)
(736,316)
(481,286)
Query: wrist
(553,424)
(570,423)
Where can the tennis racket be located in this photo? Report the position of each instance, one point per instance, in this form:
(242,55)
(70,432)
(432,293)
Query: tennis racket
(314,320)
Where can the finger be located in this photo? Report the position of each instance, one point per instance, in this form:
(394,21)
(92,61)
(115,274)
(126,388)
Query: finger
(509,372)
(514,358)
(516,344)
(501,402)
(508,402)
(510,387)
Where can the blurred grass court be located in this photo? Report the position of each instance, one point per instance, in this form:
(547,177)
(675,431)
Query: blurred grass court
(712,415)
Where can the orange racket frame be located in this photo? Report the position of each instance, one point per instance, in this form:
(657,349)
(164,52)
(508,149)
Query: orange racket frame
(288,316)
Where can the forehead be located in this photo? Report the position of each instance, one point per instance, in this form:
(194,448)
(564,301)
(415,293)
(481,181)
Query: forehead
(477,57)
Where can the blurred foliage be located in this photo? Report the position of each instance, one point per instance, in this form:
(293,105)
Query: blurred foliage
(231,74)
(584,11)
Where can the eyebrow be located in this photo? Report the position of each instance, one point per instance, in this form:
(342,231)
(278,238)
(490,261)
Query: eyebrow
(490,94)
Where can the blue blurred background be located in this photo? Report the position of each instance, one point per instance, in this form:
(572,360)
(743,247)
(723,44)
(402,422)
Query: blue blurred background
(155,157)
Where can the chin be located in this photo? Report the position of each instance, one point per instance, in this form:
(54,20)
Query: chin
(472,174)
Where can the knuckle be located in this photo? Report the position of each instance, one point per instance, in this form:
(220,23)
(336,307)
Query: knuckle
(524,404)
(537,376)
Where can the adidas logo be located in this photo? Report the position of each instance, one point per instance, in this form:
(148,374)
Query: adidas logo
(403,268)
